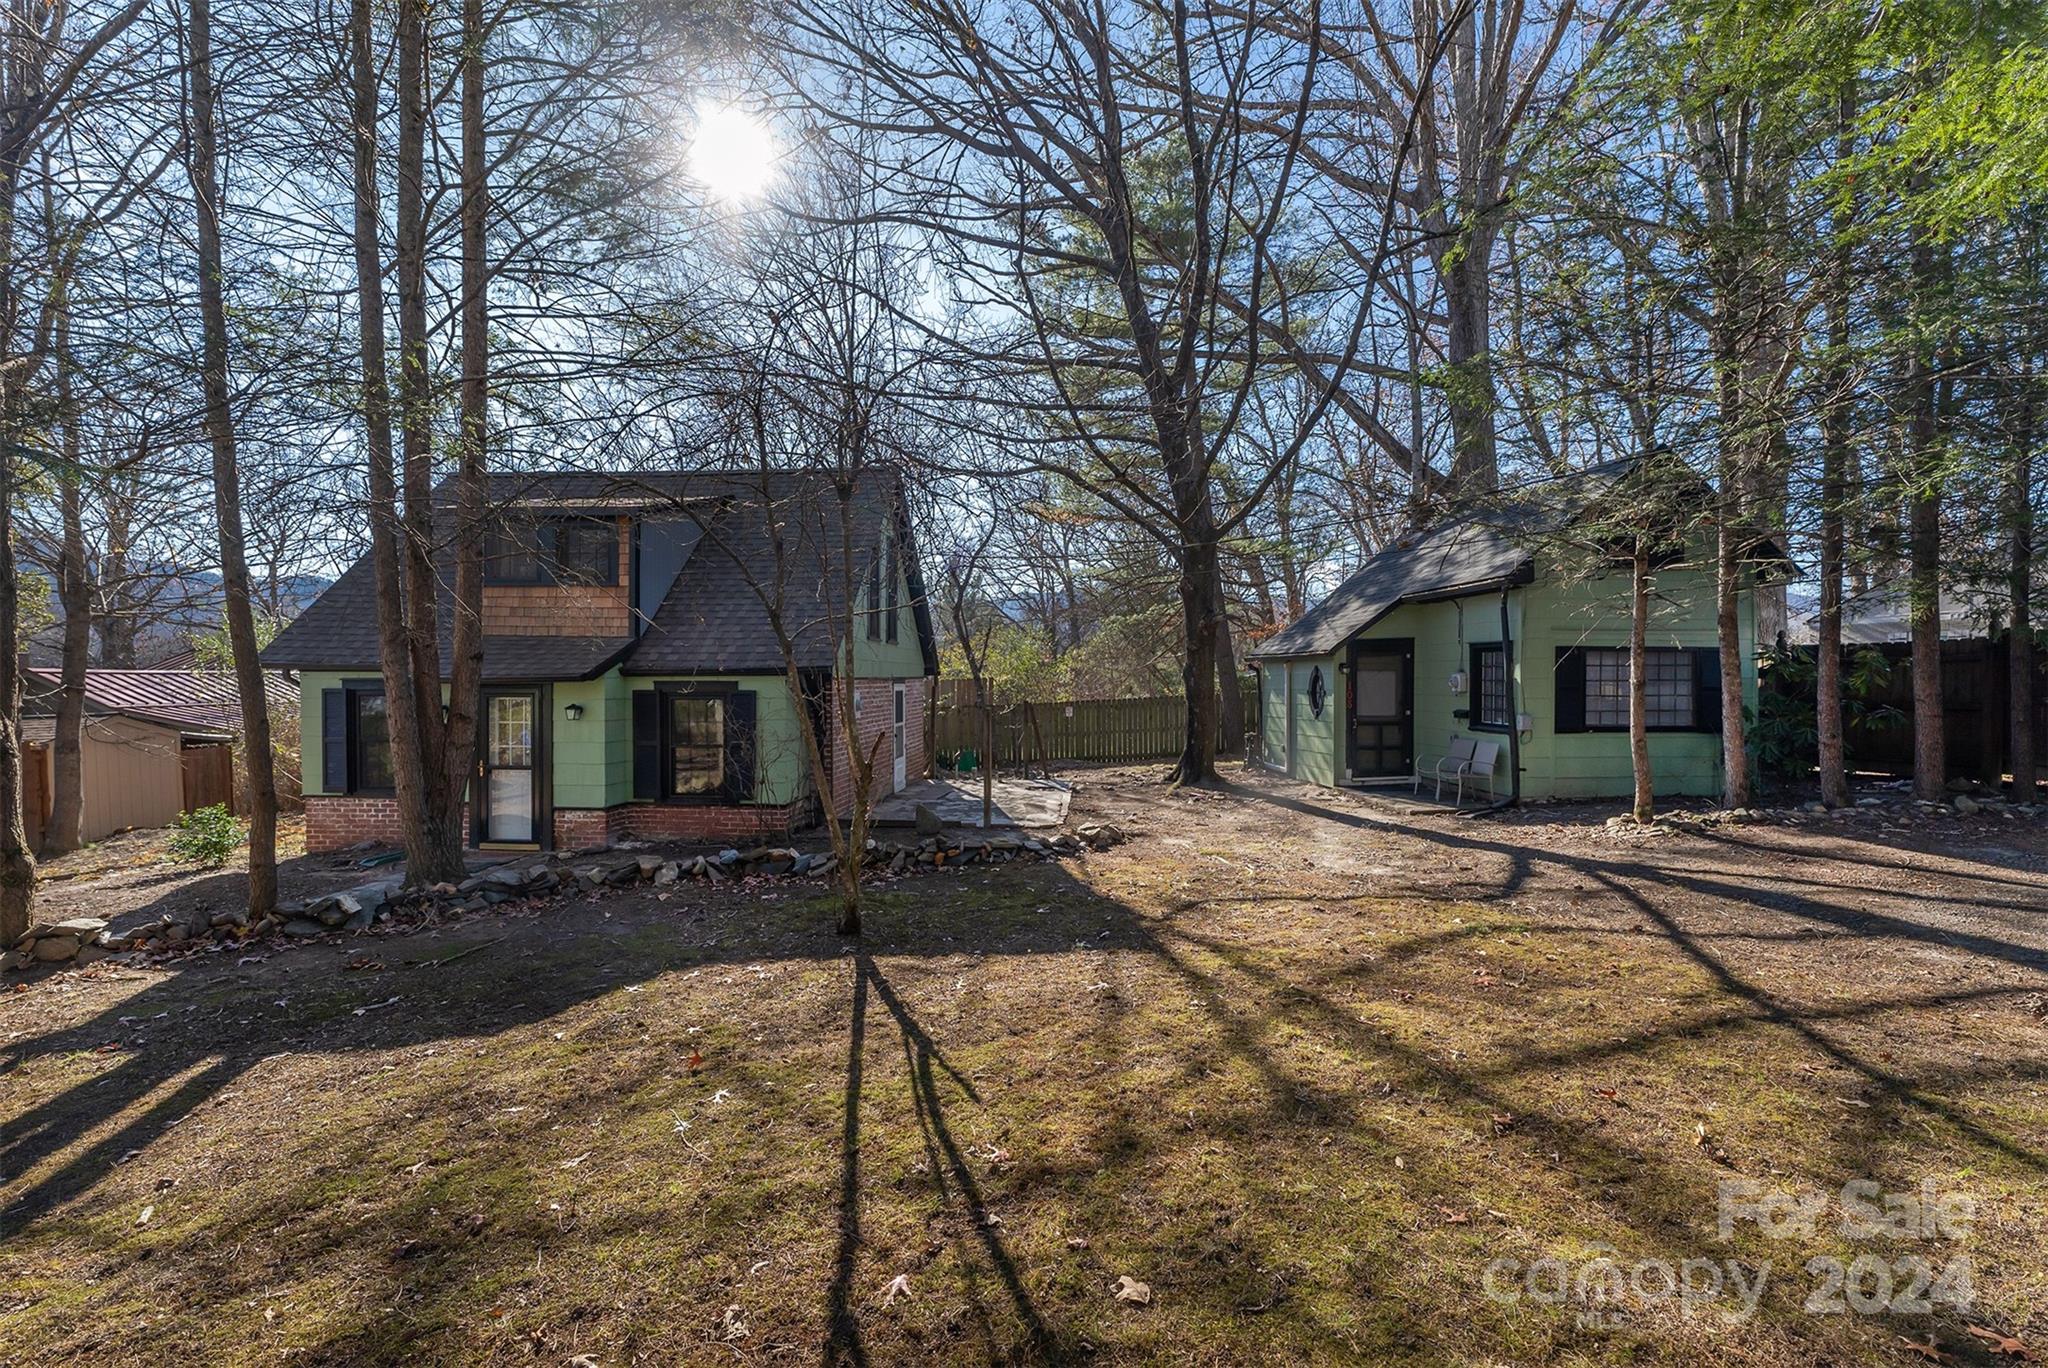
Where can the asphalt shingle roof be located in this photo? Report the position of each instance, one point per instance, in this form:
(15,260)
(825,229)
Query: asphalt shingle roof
(1487,545)
(713,619)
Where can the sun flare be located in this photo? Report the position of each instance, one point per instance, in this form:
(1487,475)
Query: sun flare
(732,154)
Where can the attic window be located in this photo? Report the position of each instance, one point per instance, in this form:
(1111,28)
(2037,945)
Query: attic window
(552,551)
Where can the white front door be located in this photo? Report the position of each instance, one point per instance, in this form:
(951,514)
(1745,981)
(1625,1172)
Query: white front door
(902,752)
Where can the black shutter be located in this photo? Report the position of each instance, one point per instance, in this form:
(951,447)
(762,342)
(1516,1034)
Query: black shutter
(739,746)
(894,573)
(1571,689)
(334,741)
(646,744)
(1706,688)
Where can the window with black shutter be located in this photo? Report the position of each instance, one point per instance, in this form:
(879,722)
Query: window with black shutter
(892,608)
(355,738)
(1682,689)
(694,743)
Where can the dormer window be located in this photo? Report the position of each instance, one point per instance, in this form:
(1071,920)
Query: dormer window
(528,550)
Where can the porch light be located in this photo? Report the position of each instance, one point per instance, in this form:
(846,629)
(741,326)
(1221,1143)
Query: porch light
(574,712)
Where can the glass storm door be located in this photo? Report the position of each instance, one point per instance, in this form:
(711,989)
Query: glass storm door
(510,785)
(1382,708)
(902,752)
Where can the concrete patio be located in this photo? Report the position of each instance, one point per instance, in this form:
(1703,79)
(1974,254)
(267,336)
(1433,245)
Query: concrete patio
(957,801)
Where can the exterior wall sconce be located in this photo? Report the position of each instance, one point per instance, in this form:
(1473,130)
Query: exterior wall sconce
(574,712)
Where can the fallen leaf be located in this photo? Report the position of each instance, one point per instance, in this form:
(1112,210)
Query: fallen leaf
(1930,1350)
(1129,1289)
(2005,1344)
(572,1163)
(1503,1122)
(147,1212)
(899,1286)
(1077,1242)
(695,1061)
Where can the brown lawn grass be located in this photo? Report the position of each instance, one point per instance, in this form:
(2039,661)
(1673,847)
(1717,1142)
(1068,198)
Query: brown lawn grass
(1303,1072)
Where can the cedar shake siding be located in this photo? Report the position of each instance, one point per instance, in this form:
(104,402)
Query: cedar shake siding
(565,610)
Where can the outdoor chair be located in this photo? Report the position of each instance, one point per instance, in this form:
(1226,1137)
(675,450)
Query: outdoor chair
(1455,762)
(1476,760)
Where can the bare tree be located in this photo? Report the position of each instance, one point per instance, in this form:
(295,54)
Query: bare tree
(207,201)
(1119,213)
(45,54)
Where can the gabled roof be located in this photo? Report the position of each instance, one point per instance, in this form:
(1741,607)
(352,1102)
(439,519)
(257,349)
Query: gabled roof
(1490,544)
(195,702)
(712,620)
(1486,546)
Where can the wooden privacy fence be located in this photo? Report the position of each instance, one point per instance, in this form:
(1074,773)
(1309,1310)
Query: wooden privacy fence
(1094,730)
(209,777)
(1976,709)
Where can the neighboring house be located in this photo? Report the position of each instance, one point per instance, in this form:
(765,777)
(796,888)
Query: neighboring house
(154,743)
(1884,613)
(1409,653)
(633,684)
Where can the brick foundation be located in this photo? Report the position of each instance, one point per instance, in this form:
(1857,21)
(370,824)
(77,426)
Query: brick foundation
(336,822)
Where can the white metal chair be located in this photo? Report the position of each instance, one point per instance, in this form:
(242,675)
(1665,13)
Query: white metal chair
(1485,758)
(1453,764)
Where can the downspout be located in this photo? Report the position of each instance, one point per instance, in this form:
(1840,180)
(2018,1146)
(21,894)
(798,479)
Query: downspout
(1508,664)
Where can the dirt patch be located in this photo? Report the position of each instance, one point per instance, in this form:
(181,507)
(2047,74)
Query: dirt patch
(1306,1071)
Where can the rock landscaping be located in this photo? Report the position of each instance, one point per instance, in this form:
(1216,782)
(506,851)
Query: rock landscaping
(86,939)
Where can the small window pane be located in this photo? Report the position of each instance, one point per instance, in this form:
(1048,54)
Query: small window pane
(696,745)
(511,732)
(1668,688)
(372,737)
(512,553)
(586,552)
(1493,687)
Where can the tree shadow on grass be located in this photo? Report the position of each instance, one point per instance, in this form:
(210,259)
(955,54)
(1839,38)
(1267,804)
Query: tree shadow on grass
(951,1177)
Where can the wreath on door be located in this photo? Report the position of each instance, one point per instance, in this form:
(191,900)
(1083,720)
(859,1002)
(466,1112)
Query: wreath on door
(1316,692)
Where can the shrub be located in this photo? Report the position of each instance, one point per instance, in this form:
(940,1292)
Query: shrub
(207,836)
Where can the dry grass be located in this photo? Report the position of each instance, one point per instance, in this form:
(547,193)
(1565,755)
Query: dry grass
(1303,1073)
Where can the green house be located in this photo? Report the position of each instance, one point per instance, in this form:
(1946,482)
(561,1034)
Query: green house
(1505,617)
(634,681)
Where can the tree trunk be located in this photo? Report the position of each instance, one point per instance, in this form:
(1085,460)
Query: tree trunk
(1638,680)
(1199,616)
(227,489)
(65,829)
(433,843)
(465,685)
(394,649)
(1930,777)
(1469,394)
(17,863)
(1229,691)
(2020,643)
(1729,553)
(1834,492)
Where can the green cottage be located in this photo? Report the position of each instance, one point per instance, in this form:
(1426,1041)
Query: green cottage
(1495,620)
(633,684)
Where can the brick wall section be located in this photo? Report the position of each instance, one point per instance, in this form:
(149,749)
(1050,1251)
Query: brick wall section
(876,718)
(336,823)
(567,609)
(708,822)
